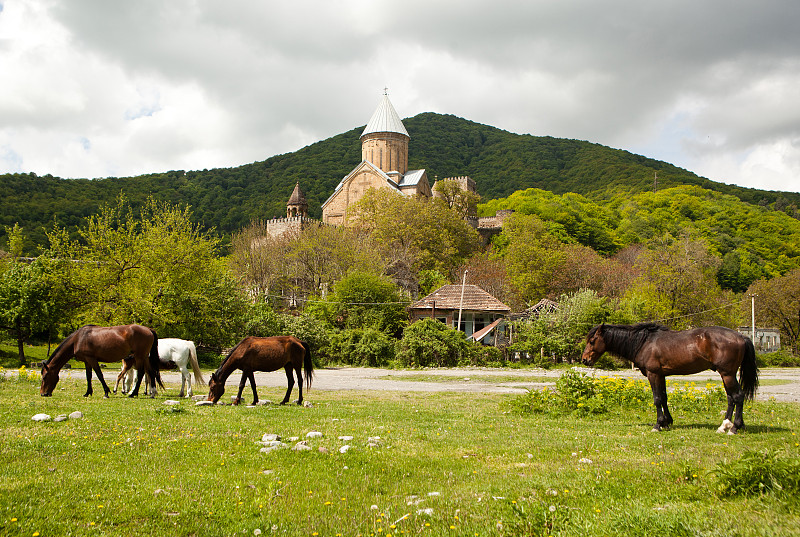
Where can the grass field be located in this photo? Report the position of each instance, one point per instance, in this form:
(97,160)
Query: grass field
(445,464)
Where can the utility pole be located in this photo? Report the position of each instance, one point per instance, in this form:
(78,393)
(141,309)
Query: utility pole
(655,181)
(753,318)
(461,303)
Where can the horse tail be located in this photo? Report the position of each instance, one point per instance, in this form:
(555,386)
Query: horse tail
(198,375)
(308,364)
(748,373)
(155,362)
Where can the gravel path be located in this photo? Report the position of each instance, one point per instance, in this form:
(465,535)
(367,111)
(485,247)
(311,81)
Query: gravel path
(477,380)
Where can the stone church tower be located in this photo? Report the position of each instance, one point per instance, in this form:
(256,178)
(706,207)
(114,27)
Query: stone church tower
(384,165)
(297,204)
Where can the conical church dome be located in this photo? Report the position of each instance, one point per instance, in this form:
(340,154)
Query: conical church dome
(385,119)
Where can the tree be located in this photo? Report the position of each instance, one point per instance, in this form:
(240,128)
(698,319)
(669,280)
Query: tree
(463,202)
(678,284)
(33,297)
(154,268)
(531,255)
(426,233)
(430,343)
(364,300)
(778,304)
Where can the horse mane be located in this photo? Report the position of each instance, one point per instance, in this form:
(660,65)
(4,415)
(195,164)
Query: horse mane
(229,355)
(66,341)
(626,340)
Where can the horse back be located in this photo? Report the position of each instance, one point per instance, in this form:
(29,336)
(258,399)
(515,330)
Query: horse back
(113,343)
(692,351)
(267,353)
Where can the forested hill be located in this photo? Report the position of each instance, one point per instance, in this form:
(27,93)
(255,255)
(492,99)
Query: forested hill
(228,198)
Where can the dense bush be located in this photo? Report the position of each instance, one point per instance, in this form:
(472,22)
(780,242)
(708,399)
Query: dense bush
(782,358)
(366,348)
(430,343)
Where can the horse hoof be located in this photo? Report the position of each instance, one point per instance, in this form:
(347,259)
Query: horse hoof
(726,426)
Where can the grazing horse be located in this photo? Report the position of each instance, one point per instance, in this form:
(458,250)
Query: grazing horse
(657,352)
(172,353)
(264,354)
(93,344)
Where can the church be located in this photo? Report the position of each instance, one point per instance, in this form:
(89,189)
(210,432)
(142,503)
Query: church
(384,165)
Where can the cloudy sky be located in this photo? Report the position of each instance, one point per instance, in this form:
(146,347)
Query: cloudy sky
(97,88)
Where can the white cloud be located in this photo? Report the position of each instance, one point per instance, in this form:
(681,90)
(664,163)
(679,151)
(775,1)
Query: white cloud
(94,88)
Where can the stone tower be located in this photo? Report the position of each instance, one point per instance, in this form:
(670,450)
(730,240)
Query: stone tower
(297,204)
(384,141)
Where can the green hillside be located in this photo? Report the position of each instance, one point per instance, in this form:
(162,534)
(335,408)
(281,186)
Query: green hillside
(500,162)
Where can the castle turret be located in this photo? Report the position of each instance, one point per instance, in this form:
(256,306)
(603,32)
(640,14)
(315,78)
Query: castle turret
(297,204)
(384,141)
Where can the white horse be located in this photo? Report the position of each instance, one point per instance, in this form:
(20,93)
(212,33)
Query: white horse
(171,353)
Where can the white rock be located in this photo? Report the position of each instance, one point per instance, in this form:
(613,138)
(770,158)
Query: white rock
(76,415)
(434,494)
(374,440)
(345,438)
(294,438)
(301,446)
(307,404)
(270,437)
(203,403)
(62,417)
(198,397)
(41,417)
(172,402)
(314,434)
(344,449)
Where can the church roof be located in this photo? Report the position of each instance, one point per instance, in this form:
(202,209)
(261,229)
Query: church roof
(385,119)
(411,178)
(297,197)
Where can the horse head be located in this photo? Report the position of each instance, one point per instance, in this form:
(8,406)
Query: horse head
(49,380)
(595,345)
(216,387)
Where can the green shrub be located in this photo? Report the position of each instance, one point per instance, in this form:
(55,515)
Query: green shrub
(430,343)
(368,348)
(755,473)
(781,358)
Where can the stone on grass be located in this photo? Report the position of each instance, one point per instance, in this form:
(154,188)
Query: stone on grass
(172,402)
(76,415)
(41,417)
(314,434)
(269,437)
(198,397)
(345,438)
(62,417)
(301,446)
(323,450)
(307,404)
(204,402)
(275,447)
(344,449)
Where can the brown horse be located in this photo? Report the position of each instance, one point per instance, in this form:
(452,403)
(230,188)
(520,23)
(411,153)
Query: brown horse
(264,354)
(657,352)
(93,344)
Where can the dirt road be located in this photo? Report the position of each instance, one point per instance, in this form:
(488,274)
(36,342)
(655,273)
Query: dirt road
(782,384)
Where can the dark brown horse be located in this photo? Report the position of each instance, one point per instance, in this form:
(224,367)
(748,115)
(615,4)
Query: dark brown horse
(93,344)
(264,354)
(658,352)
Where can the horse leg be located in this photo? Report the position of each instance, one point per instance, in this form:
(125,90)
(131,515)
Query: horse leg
(99,374)
(89,390)
(299,371)
(659,387)
(290,382)
(185,379)
(735,403)
(138,381)
(241,388)
(252,378)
